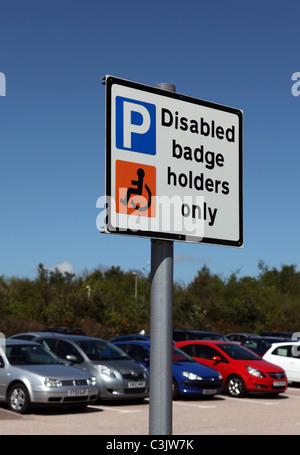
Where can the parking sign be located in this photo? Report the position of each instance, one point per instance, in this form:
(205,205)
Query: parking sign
(173,166)
(135,126)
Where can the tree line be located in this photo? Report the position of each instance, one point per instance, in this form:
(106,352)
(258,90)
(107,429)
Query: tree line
(108,302)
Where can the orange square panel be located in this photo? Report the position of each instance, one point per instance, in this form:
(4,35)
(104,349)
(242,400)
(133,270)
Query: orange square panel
(135,188)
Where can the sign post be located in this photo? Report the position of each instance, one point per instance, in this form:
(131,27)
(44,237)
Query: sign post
(161,332)
(173,172)
(161,337)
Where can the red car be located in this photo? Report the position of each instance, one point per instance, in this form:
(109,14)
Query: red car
(242,370)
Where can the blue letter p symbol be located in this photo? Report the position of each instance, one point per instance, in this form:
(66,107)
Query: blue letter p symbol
(135,126)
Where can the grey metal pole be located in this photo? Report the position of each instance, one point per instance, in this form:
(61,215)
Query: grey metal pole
(161,331)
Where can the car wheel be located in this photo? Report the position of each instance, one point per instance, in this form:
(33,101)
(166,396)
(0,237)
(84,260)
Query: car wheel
(235,386)
(175,391)
(18,399)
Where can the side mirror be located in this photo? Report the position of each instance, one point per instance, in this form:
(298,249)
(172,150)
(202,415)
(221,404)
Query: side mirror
(217,359)
(1,363)
(72,358)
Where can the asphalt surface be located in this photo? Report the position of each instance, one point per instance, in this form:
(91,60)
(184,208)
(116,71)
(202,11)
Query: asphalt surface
(221,415)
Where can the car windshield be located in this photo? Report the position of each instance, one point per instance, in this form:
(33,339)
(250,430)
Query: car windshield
(29,355)
(238,352)
(180,356)
(101,350)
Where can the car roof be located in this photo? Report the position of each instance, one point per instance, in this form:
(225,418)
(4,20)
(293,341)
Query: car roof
(212,342)
(57,335)
(286,343)
(140,342)
(279,333)
(62,336)
(34,334)
(196,331)
(12,341)
(65,330)
(273,338)
(258,337)
(131,336)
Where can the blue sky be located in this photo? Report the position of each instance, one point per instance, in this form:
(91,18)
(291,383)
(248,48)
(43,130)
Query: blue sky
(52,123)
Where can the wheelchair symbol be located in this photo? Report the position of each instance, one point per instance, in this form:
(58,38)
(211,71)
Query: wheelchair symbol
(137,189)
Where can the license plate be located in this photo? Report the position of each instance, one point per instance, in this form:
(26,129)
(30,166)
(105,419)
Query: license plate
(209,391)
(77,392)
(279,383)
(136,384)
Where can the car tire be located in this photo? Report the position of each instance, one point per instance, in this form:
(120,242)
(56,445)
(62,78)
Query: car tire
(235,386)
(18,398)
(175,392)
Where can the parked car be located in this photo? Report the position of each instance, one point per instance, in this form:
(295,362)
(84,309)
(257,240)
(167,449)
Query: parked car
(183,334)
(65,330)
(239,337)
(242,370)
(260,344)
(118,376)
(31,376)
(136,336)
(287,356)
(189,377)
(285,335)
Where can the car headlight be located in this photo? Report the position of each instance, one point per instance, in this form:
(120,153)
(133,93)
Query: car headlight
(146,372)
(106,371)
(51,382)
(191,376)
(92,381)
(255,372)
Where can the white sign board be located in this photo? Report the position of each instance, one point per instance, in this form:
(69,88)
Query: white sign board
(173,166)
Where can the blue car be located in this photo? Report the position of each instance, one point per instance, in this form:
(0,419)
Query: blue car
(137,336)
(189,377)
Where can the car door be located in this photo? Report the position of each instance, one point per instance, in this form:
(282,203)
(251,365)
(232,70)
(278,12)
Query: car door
(205,354)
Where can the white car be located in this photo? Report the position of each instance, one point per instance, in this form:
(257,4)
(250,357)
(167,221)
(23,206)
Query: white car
(287,356)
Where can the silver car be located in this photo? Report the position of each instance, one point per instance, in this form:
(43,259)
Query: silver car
(30,375)
(118,376)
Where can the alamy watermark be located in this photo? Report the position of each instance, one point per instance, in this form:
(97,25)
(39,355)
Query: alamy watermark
(2,84)
(295,347)
(296,85)
(174,215)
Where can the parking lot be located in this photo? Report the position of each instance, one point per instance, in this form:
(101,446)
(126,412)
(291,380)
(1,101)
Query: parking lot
(221,415)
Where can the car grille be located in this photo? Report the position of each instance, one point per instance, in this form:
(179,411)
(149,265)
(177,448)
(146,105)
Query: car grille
(133,376)
(206,383)
(133,391)
(80,399)
(277,375)
(75,382)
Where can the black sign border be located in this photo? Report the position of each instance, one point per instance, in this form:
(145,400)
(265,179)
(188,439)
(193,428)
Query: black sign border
(112,80)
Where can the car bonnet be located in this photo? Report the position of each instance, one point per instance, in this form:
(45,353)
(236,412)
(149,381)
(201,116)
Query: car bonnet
(58,371)
(197,368)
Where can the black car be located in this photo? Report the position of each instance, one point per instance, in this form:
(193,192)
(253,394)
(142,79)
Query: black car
(260,344)
(285,335)
(65,330)
(239,337)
